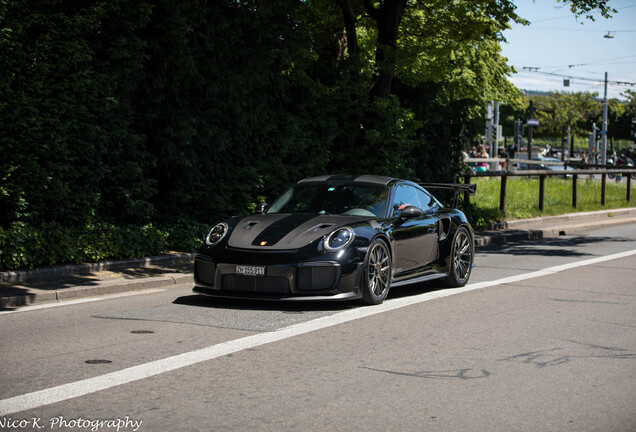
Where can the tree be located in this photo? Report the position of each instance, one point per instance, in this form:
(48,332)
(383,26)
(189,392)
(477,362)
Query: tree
(466,22)
(587,7)
(620,116)
(130,112)
(66,136)
(451,47)
(559,111)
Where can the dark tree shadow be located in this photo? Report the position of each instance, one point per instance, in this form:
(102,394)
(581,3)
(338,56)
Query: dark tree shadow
(23,293)
(11,297)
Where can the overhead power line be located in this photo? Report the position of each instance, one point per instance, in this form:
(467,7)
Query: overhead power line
(581,30)
(600,62)
(535,69)
(570,15)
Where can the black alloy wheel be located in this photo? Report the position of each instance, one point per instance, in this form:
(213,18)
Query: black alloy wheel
(377,273)
(461,258)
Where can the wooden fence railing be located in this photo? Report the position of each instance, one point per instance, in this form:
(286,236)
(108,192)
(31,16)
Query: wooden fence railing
(508,164)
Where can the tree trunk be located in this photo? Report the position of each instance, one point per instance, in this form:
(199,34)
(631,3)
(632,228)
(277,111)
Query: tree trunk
(349,15)
(388,17)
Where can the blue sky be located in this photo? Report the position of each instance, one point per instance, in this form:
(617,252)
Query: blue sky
(562,46)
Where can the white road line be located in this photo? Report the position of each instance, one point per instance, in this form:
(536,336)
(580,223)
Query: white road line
(135,373)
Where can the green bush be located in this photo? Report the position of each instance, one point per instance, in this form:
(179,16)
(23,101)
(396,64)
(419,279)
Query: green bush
(186,236)
(25,247)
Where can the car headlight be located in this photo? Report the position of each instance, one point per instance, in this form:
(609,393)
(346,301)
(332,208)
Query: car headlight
(339,239)
(216,234)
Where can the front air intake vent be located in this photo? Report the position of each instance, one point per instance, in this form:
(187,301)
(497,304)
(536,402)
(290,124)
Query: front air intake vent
(321,227)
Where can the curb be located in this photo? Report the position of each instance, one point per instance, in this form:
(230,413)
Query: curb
(87,268)
(34,296)
(488,238)
(117,288)
(567,218)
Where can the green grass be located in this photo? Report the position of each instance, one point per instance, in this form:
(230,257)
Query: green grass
(522,198)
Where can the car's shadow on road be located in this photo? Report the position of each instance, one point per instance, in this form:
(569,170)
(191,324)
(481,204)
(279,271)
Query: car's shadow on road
(264,305)
(297,307)
(416,289)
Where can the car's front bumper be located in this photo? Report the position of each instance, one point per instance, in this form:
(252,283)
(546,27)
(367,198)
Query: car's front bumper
(311,280)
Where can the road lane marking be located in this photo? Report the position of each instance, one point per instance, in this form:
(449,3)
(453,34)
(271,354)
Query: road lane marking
(102,382)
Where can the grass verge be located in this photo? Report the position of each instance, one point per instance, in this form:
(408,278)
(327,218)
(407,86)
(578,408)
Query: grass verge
(522,198)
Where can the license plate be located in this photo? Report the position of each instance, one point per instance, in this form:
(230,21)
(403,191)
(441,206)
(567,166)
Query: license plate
(250,270)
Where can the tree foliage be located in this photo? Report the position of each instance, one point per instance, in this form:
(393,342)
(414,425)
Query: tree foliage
(587,8)
(68,145)
(127,113)
(559,111)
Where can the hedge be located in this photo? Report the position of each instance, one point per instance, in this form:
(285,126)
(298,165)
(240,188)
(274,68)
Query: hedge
(23,246)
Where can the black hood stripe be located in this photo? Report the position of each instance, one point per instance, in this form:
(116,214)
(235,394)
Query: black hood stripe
(282,227)
(285,231)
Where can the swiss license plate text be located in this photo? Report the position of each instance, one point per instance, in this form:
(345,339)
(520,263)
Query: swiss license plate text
(250,270)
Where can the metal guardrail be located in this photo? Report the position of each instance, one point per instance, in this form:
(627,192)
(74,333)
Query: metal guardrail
(628,172)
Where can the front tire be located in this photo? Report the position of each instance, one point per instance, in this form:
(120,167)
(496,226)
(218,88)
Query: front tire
(377,273)
(462,256)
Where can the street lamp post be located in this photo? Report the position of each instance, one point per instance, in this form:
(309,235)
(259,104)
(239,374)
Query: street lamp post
(604,127)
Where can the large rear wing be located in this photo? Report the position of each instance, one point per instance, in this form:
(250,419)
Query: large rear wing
(457,188)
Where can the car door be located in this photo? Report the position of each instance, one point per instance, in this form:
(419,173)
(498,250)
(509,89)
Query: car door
(415,239)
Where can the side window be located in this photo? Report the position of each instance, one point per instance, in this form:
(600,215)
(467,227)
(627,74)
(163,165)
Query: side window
(406,195)
(426,200)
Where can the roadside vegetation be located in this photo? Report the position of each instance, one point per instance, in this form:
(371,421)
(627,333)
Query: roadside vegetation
(522,198)
(127,127)
(562,115)
(24,246)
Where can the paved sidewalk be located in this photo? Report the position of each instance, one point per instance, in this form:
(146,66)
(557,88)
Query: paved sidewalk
(59,283)
(553,226)
(70,282)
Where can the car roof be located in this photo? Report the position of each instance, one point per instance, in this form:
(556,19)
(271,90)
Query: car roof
(546,159)
(351,178)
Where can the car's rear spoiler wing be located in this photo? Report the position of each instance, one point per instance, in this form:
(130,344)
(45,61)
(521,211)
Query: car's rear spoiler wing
(457,188)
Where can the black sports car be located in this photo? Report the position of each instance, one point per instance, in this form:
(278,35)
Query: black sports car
(338,238)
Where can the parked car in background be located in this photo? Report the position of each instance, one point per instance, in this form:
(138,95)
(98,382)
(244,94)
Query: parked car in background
(545,163)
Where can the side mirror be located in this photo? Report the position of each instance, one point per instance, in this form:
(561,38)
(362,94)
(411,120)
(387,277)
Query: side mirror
(411,212)
(261,207)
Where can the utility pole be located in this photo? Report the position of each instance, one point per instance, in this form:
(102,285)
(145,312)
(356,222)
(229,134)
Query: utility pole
(530,131)
(632,135)
(488,142)
(519,130)
(604,127)
(567,143)
(495,151)
(591,143)
(563,141)
(495,147)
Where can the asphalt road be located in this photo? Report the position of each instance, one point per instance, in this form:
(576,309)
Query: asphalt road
(542,339)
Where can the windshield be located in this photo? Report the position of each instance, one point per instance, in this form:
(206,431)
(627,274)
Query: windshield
(357,199)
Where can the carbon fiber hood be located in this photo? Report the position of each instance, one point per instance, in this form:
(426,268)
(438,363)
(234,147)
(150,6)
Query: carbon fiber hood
(285,231)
